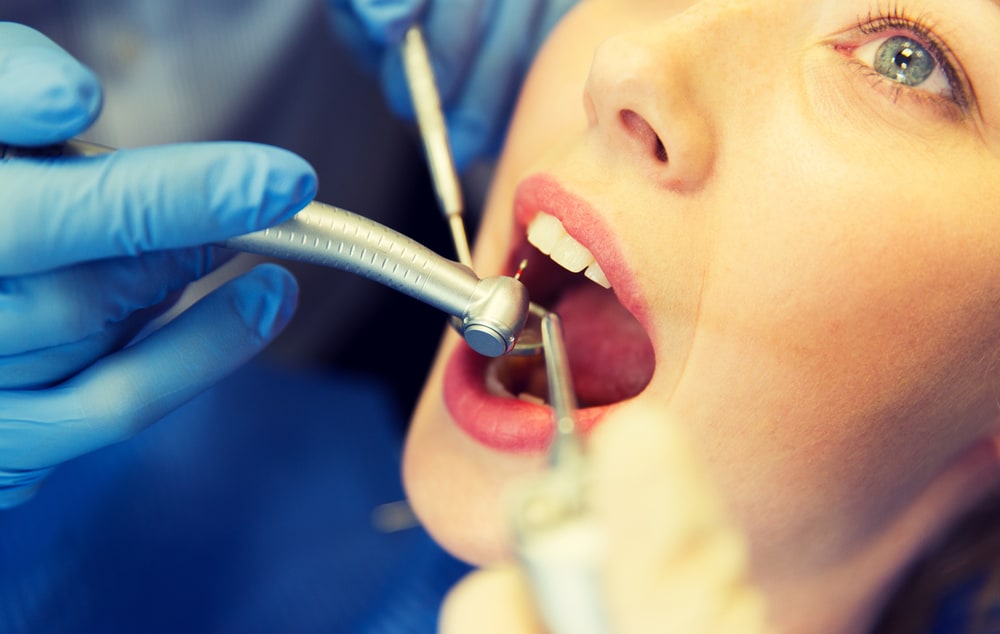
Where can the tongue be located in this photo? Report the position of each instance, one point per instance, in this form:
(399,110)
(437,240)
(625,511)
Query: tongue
(610,356)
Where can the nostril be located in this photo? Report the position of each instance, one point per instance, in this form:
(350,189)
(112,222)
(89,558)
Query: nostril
(639,128)
(660,151)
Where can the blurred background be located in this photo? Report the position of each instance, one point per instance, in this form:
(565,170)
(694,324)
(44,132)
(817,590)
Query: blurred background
(272,72)
(272,502)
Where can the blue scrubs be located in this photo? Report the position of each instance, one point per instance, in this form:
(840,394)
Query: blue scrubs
(248,510)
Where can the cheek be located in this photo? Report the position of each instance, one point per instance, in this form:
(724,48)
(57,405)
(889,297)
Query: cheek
(550,106)
(457,487)
(864,293)
(846,321)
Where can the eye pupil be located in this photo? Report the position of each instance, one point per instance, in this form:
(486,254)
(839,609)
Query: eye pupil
(903,60)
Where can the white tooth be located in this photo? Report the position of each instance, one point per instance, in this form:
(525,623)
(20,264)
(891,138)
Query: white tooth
(549,236)
(544,232)
(571,255)
(594,273)
(531,398)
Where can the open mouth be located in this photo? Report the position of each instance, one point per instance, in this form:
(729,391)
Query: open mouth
(500,402)
(610,355)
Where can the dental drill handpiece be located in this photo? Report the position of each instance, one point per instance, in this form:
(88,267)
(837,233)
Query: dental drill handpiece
(441,163)
(557,539)
(491,311)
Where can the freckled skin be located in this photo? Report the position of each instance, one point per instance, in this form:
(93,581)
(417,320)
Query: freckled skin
(817,260)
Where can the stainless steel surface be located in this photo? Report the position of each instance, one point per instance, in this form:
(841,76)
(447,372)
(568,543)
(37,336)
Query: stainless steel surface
(562,398)
(557,540)
(492,310)
(330,236)
(434,133)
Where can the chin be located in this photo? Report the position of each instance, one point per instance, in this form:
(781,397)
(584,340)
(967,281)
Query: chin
(481,424)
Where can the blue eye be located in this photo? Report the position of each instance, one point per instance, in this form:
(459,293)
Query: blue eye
(905,61)
(901,59)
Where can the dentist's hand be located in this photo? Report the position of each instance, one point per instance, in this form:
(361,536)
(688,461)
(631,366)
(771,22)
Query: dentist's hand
(91,249)
(480,49)
(673,563)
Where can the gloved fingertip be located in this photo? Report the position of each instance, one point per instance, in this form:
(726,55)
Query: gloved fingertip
(278,182)
(294,176)
(387,20)
(265,299)
(48,96)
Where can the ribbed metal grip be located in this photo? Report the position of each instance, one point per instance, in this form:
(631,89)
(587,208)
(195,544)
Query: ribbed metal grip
(492,311)
(327,235)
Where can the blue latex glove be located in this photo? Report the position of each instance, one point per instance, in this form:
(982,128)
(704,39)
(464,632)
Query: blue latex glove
(92,248)
(480,49)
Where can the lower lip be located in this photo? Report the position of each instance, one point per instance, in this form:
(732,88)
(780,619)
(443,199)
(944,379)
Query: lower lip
(502,423)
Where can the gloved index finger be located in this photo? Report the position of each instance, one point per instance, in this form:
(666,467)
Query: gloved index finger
(61,211)
(47,95)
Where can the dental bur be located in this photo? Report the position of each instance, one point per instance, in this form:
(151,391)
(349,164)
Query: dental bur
(490,313)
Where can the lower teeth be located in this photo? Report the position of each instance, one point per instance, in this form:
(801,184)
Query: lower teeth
(496,386)
(531,398)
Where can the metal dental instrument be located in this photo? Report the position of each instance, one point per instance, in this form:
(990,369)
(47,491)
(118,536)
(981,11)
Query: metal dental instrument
(490,312)
(556,538)
(434,133)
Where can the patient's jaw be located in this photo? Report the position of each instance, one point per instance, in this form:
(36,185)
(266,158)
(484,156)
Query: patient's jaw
(809,248)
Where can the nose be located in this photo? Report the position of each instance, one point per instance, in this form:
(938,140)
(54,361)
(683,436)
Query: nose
(648,106)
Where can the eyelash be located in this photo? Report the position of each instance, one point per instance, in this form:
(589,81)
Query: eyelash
(881,20)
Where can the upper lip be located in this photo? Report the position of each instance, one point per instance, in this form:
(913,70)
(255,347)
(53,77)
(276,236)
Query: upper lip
(543,193)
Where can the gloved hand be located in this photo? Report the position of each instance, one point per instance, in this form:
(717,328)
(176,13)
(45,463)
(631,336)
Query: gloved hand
(672,563)
(92,248)
(480,50)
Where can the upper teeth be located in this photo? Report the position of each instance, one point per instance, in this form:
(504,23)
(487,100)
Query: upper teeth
(549,236)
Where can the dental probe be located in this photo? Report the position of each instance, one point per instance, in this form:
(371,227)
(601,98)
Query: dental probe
(434,134)
(556,538)
(491,311)
(441,163)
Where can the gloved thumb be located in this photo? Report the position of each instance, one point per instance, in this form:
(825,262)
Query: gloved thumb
(47,95)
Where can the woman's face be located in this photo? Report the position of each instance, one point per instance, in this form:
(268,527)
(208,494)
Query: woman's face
(795,205)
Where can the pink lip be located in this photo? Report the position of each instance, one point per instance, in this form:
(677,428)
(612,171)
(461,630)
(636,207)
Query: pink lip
(542,193)
(509,424)
(502,423)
